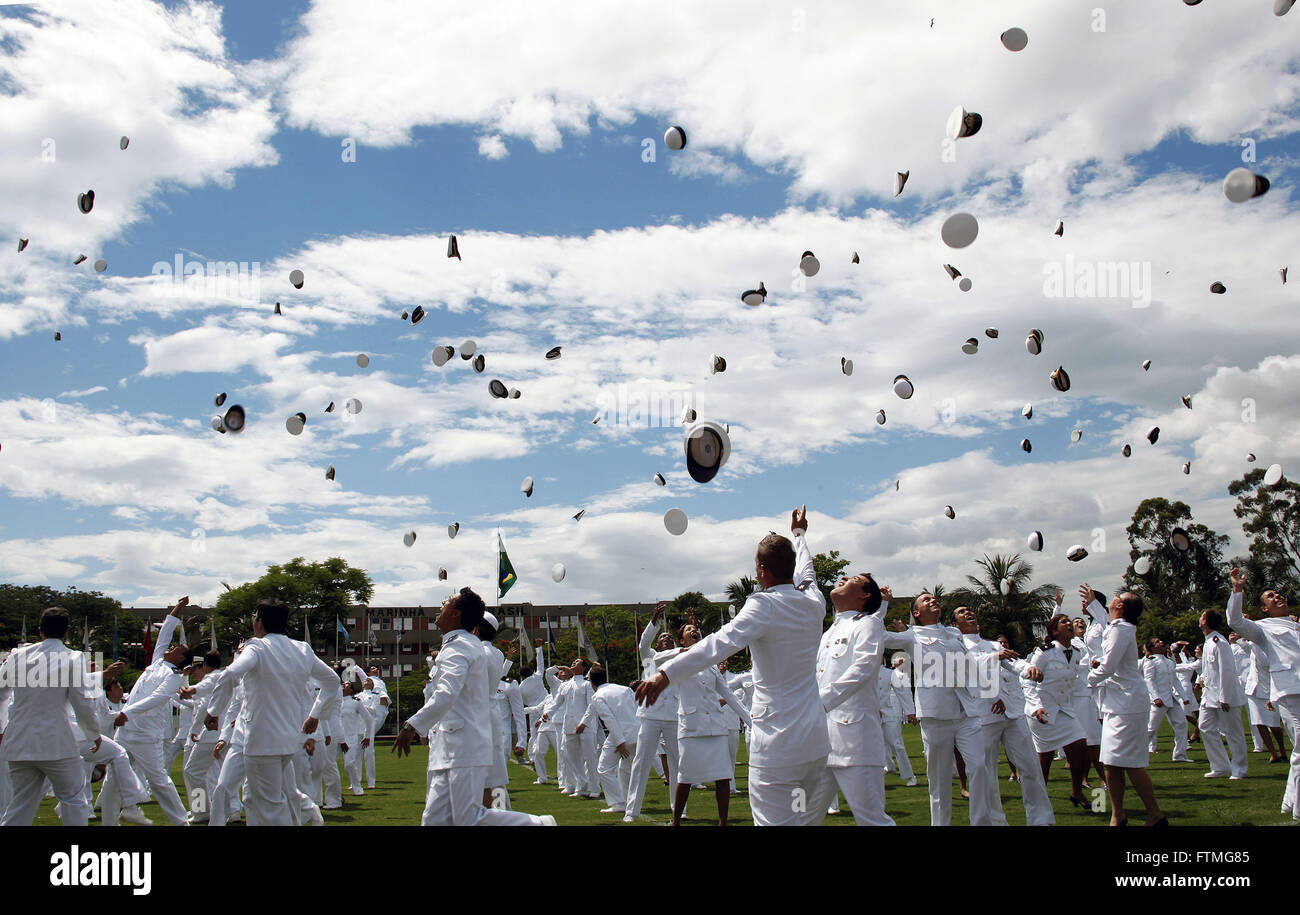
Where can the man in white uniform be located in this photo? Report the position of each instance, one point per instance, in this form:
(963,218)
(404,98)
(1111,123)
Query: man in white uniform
(616,708)
(1279,636)
(201,767)
(146,716)
(654,722)
(895,691)
(274,670)
(950,710)
(1160,673)
(847,661)
(579,748)
(457,721)
(781,626)
(1222,700)
(43,680)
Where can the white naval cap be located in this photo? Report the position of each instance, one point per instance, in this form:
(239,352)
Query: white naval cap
(900,179)
(1015,39)
(1036,541)
(1242,184)
(296,279)
(409,538)
(1076,552)
(675,137)
(963,123)
(1179,539)
(1143,565)
(707,447)
(903,387)
(809,264)
(526,487)
(959,230)
(557,572)
(363,361)
(1273,476)
(296,423)
(675,521)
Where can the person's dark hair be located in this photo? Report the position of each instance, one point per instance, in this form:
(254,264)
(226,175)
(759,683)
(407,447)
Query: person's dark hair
(1132,607)
(212,659)
(54,622)
(525,672)
(1050,639)
(471,609)
(776,553)
(109,684)
(597,677)
(1214,619)
(187,654)
(485,631)
(274,614)
(586,667)
(874,600)
(1100,597)
(916,601)
(1150,645)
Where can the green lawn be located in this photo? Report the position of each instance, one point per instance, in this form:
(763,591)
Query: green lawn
(1187,798)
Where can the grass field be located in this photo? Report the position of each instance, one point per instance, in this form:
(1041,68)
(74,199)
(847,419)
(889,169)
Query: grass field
(1187,798)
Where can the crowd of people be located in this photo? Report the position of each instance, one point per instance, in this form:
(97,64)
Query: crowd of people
(822,712)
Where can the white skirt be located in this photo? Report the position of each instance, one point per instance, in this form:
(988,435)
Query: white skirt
(1125,741)
(1060,731)
(1085,712)
(1261,714)
(703,759)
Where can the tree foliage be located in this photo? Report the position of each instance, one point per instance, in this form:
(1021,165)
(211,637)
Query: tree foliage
(1271,520)
(1020,613)
(1179,582)
(19,603)
(321,591)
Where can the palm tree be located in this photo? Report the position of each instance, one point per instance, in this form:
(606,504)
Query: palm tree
(738,592)
(1021,613)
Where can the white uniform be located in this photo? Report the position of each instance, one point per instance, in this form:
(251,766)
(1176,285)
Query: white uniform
(457,720)
(226,805)
(1253,668)
(39,739)
(1125,705)
(149,717)
(201,769)
(546,734)
(781,626)
(1160,674)
(1009,729)
(616,707)
(894,690)
(1279,636)
(703,752)
(1055,696)
(848,661)
(654,723)
(950,717)
(579,749)
(1222,687)
(274,670)
(357,725)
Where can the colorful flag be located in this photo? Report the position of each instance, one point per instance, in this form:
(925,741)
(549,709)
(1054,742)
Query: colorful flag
(506,577)
(338,627)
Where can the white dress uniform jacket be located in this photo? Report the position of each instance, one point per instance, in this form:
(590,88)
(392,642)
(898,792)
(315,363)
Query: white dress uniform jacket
(846,660)
(781,626)
(1279,636)
(39,727)
(1219,670)
(274,670)
(1159,673)
(457,716)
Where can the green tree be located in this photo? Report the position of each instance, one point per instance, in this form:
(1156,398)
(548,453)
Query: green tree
(1271,520)
(1179,582)
(1019,612)
(739,590)
(320,590)
(19,603)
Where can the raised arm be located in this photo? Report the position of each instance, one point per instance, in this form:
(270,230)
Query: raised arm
(1249,629)
(169,625)
(330,695)
(1110,657)
(735,636)
(804,574)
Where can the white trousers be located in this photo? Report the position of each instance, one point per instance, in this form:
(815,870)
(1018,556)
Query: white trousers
(67,776)
(352,763)
(147,760)
(200,771)
(649,733)
(368,767)
(125,789)
(894,747)
(582,763)
(454,797)
(940,736)
(1215,723)
(1013,733)
(225,794)
(864,789)
(615,773)
(316,766)
(544,738)
(788,795)
(1177,721)
(271,786)
(333,781)
(1289,708)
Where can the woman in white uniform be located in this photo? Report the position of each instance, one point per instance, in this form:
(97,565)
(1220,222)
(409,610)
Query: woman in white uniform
(704,754)
(1124,708)
(1053,720)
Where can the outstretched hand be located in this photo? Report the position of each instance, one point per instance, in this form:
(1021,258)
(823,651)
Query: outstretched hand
(1238,580)
(799,520)
(649,690)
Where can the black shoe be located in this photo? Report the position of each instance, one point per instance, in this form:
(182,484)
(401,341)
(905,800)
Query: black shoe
(1163,821)
(1123,822)
(1080,803)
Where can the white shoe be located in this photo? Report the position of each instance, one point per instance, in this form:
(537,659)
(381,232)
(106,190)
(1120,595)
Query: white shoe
(192,820)
(1181,759)
(134,815)
(1235,778)
(357,792)
(541,781)
(612,810)
(547,820)
(233,819)
(316,818)
(911,782)
(1216,774)
(628,818)
(832,811)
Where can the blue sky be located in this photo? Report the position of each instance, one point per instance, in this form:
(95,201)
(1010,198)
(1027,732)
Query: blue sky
(523,135)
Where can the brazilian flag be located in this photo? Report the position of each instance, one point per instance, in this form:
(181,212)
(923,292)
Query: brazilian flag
(506,577)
